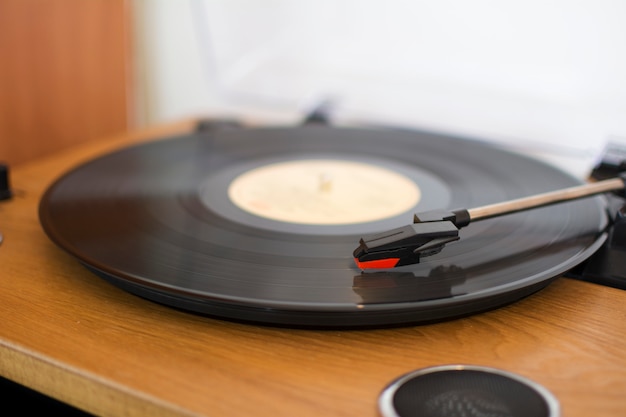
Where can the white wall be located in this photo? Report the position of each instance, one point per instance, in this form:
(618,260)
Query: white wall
(538,74)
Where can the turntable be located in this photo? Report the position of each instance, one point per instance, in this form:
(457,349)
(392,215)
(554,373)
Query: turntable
(186,271)
(260,224)
(101,348)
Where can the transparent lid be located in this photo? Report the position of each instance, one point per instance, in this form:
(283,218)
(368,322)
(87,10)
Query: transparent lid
(535,74)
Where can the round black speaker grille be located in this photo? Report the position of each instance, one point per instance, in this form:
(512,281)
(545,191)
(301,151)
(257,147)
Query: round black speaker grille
(466,391)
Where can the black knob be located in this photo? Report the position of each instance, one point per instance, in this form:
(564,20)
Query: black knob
(5,189)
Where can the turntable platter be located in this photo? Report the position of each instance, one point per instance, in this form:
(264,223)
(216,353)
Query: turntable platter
(222,223)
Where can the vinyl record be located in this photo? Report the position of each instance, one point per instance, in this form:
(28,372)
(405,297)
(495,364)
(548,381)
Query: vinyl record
(260,224)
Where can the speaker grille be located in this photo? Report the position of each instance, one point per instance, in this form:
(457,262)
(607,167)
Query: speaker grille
(466,391)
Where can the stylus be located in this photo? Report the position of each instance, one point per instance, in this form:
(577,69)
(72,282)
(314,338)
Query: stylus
(432,230)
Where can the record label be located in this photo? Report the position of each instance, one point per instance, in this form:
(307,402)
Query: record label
(324,192)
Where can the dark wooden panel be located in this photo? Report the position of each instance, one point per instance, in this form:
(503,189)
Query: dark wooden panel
(64,74)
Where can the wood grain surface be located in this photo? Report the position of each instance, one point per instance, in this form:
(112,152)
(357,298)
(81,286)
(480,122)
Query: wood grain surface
(73,336)
(65,74)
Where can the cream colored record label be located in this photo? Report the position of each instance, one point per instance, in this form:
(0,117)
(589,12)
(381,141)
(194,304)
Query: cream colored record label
(324,192)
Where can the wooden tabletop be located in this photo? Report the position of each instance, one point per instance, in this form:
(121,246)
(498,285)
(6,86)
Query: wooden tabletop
(73,336)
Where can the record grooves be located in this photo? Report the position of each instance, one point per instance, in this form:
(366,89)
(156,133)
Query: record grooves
(157,220)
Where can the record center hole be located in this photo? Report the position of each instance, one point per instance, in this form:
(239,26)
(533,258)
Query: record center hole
(324,192)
